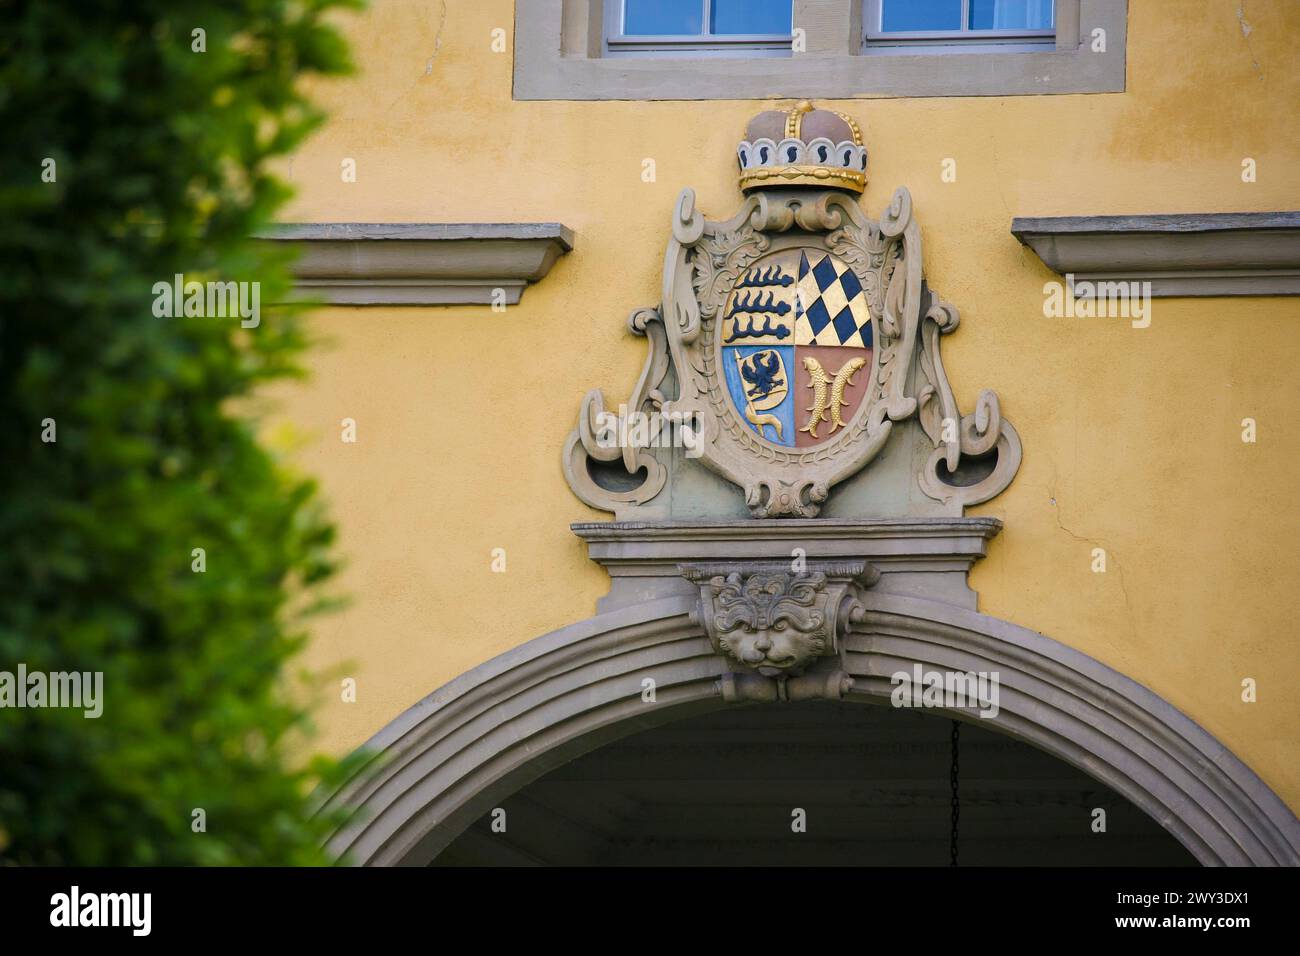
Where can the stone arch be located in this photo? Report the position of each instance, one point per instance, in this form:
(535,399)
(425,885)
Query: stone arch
(452,756)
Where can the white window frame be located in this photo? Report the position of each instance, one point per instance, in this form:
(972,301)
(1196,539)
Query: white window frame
(704,43)
(965,40)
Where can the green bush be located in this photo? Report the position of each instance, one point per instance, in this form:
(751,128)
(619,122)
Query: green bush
(160,166)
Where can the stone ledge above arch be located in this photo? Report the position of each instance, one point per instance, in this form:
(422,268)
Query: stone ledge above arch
(930,556)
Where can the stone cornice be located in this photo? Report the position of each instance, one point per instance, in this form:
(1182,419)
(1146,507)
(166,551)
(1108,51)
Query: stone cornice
(787,530)
(1215,254)
(356,263)
(912,554)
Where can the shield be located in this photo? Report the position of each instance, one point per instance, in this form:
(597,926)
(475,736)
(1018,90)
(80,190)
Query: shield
(796,343)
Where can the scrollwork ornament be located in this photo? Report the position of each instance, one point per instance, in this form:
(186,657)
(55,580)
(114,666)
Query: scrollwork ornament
(598,436)
(983,434)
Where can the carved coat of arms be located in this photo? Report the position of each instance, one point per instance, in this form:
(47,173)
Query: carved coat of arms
(792,339)
(796,329)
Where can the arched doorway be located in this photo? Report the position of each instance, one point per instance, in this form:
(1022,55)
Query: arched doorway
(460,752)
(873,785)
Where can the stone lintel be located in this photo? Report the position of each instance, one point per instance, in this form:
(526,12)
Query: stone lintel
(920,557)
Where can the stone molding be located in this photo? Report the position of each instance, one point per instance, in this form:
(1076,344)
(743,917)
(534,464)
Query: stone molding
(911,555)
(1212,254)
(457,753)
(355,263)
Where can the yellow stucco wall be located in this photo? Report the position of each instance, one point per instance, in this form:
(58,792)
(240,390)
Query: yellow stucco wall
(1132,437)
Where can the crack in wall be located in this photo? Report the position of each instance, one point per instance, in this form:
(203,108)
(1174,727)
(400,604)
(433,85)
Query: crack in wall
(1246,31)
(437,40)
(1098,543)
(428,66)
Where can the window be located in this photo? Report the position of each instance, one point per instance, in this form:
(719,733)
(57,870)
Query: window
(743,49)
(699,27)
(964,25)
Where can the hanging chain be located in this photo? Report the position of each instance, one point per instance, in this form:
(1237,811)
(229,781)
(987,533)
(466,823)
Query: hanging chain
(956,803)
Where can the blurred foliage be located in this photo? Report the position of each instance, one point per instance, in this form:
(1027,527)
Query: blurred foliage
(161,157)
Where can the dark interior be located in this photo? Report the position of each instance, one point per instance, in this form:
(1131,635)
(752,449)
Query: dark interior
(874,781)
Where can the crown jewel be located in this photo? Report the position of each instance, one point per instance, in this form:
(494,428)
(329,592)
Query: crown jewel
(803,146)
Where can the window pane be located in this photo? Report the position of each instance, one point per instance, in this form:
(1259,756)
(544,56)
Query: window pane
(663,17)
(1012,14)
(900,15)
(753,16)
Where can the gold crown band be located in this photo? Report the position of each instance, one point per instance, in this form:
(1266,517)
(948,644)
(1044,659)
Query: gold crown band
(803,176)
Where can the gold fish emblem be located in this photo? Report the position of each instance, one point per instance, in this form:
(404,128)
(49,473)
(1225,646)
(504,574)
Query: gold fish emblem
(828,393)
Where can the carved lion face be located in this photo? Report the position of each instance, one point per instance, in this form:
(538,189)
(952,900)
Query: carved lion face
(770,622)
(774,651)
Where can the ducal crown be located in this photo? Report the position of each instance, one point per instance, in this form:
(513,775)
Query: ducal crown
(802,147)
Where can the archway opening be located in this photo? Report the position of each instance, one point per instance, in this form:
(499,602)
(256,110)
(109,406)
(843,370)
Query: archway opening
(873,784)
